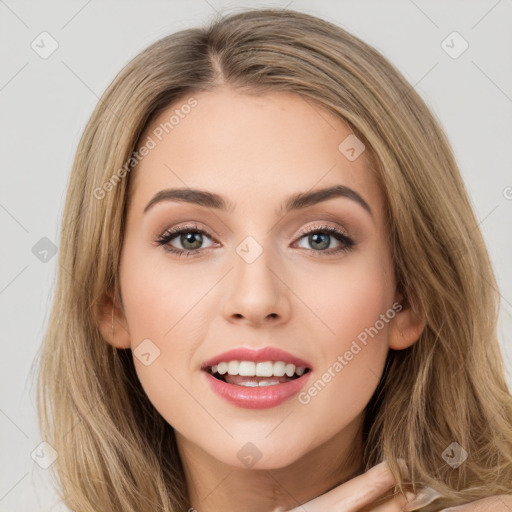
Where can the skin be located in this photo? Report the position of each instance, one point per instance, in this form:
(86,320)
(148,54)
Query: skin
(257,151)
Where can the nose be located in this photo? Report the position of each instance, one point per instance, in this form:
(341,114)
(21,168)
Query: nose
(259,293)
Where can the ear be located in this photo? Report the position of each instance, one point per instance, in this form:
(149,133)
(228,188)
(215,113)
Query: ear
(407,325)
(119,336)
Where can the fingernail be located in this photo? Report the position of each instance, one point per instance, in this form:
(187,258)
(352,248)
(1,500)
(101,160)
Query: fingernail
(383,465)
(424,496)
(403,466)
(381,469)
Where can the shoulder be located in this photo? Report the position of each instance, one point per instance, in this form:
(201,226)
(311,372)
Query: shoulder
(497,503)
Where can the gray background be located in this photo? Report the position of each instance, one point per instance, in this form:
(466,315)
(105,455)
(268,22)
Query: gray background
(45,104)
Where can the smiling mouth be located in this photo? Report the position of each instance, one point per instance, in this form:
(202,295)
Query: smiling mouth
(269,377)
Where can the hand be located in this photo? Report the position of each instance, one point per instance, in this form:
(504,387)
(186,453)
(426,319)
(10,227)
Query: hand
(357,493)
(497,503)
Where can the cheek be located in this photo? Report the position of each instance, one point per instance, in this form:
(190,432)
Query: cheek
(346,299)
(161,340)
(160,298)
(162,303)
(353,306)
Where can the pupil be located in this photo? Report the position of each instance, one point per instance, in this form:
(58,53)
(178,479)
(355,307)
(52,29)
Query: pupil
(191,238)
(314,239)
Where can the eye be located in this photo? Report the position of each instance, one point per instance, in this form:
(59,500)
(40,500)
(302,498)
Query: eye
(189,237)
(320,238)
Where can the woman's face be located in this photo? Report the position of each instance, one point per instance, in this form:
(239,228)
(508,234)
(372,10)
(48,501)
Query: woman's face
(265,273)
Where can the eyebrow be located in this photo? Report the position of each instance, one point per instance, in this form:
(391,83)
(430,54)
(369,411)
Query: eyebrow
(295,202)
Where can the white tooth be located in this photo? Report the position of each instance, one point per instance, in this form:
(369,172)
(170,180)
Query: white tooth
(290,370)
(260,369)
(249,384)
(247,369)
(233,367)
(278,368)
(264,369)
(268,383)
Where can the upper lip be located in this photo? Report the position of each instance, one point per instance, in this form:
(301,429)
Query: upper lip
(260,355)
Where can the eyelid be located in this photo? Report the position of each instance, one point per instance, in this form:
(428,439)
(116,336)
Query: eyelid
(197,226)
(192,226)
(310,229)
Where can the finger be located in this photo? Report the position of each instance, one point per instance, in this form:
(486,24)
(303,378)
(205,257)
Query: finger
(496,503)
(395,503)
(352,495)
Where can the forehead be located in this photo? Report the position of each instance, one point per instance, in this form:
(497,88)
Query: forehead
(251,148)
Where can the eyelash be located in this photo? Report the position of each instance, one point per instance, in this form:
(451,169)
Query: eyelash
(165,238)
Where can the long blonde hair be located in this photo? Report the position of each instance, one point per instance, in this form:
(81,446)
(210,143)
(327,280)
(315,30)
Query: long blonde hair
(115,451)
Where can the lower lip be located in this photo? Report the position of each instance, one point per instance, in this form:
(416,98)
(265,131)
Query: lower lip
(262,397)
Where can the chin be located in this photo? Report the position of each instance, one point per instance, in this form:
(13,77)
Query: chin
(259,454)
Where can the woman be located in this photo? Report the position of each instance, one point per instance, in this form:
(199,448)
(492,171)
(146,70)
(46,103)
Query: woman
(270,281)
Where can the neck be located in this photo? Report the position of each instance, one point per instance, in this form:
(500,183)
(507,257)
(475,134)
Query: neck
(213,485)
